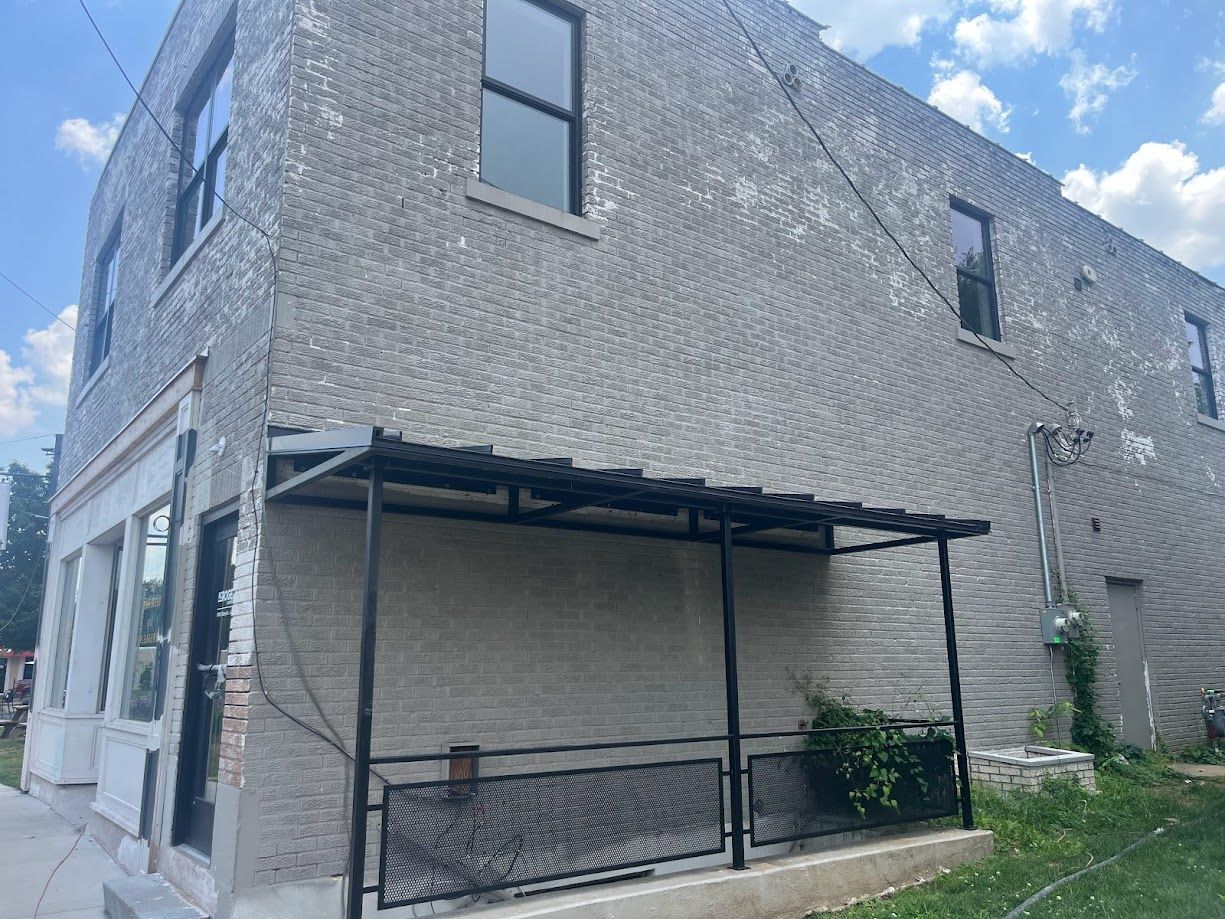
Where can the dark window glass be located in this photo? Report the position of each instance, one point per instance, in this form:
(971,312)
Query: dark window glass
(975,273)
(525,151)
(112,610)
(104,306)
(531,49)
(529,107)
(1201,367)
(974,304)
(206,126)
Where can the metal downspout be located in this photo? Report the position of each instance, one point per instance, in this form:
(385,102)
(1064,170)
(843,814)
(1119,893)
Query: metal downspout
(1039,516)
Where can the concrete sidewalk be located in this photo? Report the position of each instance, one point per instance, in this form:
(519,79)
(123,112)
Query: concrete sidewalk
(33,840)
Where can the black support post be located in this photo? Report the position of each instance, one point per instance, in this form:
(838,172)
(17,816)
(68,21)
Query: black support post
(735,773)
(365,693)
(959,727)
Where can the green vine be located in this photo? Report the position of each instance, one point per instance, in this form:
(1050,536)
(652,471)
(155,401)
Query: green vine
(1043,720)
(1090,731)
(875,763)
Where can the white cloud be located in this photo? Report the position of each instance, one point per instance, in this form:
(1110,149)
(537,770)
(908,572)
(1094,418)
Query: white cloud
(90,143)
(963,96)
(1160,195)
(39,379)
(1089,86)
(1216,110)
(1015,30)
(864,27)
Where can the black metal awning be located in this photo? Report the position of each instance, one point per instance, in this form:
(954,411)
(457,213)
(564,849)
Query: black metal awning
(331,468)
(374,471)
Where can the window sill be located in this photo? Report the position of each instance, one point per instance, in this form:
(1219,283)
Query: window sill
(476,190)
(92,381)
(176,270)
(1003,349)
(1209,421)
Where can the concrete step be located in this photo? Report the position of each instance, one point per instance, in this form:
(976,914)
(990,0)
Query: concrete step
(147,896)
(778,888)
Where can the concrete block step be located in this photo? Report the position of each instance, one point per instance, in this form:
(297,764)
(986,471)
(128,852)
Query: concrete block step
(147,896)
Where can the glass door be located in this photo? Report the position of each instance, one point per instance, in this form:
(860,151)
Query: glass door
(205,701)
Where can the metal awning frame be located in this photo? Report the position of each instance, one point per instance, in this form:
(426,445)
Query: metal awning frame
(569,490)
(377,458)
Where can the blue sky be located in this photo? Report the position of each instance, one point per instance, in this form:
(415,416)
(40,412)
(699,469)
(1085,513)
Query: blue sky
(1123,100)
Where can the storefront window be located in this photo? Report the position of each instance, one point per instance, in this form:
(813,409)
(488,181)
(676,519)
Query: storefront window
(112,610)
(70,588)
(140,672)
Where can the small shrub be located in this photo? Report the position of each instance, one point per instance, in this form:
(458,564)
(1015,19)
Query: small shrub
(876,762)
(1042,720)
(1202,754)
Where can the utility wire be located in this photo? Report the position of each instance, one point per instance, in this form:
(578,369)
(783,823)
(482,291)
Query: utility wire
(875,216)
(22,440)
(22,601)
(145,105)
(42,306)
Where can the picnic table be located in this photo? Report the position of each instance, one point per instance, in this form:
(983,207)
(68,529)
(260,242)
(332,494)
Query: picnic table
(16,723)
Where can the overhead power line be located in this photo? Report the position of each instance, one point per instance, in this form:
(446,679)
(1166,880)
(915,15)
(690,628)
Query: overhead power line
(42,306)
(170,139)
(22,440)
(1064,407)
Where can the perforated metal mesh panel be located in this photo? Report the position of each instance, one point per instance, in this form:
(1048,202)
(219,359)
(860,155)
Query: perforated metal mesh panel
(451,839)
(808,793)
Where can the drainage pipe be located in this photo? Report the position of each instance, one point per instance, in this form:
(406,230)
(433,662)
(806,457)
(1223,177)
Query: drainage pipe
(1060,569)
(1039,516)
(1038,513)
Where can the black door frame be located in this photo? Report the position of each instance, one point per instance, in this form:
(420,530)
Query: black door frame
(193,745)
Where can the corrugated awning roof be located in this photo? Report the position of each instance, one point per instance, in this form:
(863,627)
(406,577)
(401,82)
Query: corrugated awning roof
(475,482)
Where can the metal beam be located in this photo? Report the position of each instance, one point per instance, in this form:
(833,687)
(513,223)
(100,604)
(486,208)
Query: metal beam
(888,544)
(732,681)
(959,725)
(779,523)
(322,441)
(365,693)
(328,467)
(563,507)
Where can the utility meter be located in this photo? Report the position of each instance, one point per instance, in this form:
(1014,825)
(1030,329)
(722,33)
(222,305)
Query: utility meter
(1061,621)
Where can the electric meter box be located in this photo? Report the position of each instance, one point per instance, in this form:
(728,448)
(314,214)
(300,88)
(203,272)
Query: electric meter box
(1050,630)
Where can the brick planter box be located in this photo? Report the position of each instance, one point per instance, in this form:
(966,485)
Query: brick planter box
(1028,767)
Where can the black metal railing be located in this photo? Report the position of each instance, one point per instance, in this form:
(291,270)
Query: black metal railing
(819,792)
(466,836)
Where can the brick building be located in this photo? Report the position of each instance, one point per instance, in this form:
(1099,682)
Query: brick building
(626,249)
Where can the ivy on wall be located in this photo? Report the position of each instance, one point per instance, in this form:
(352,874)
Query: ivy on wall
(1090,732)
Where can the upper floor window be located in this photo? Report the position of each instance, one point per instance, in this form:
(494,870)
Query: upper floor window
(530,102)
(975,271)
(206,131)
(1201,366)
(104,306)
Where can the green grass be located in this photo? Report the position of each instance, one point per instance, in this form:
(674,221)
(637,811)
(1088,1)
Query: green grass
(1180,873)
(11,751)
(1044,836)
